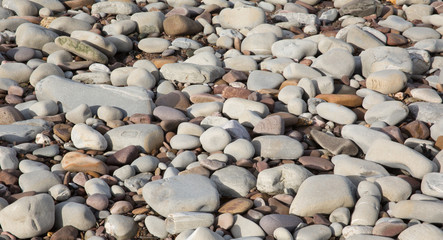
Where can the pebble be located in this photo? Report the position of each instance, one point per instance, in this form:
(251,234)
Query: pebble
(281,82)
(323,194)
(39,181)
(156,226)
(38,218)
(233,181)
(285,147)
(121,227)
(146,137)
(421,230)
(73,214)
(428,211)
(390,112)
(181,192)
(179,222)
(85,137)
(405,158)
(316,231)
(336,113)
(386,81)
(349,166)
(244,227)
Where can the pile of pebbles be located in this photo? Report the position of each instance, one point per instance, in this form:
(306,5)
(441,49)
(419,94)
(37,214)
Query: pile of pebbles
(215,119)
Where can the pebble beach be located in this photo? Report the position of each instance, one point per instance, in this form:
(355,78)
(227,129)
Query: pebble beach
(219,120)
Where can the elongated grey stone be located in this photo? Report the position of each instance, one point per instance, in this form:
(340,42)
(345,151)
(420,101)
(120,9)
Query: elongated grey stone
(129,100)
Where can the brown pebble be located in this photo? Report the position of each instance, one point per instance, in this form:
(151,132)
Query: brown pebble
(316,163)
(231,92)
(389,229)
(65,233)
(13,99)
(16,90)
(63,131)
(236,206)
(124,156)
(416,129)
(9,114)
(439,142)
(139,118)
(347,100)
(278,207)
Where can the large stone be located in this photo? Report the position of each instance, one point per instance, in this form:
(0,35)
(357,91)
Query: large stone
(121,227)
(362,136)
(361,8)
(147,137)
(277,147)
(67,25)
(421,231)
(258,80)
(382,58)
(426,112)
(81,49)
(279,179)
(396,155)
(336,113)
(181,193)
(79,162)
(95,40)
(177,25)
(294,48)
(191,73)
(115,7)
(149,22)
(74,214)
(29,216)
(335,63)
(390,112)
(233,181)
(333,144)
(241,17)
(85,137)
(323,194)
(427,211)
(386,81)
(15,133)
(18,72)
(235,107)
(431,185)
(129,100)
(33,36)
(356,168)
(39,181)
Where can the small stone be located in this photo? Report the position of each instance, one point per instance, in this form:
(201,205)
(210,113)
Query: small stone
(97,201)
(183,193)
(323,194)
(233,181)
(236,206)
(396,155)
(121,227)
(85,137)
(78,162)
(81,49)
(273,221)
(336,113)
(181,25)
(334,144)
(271,125)
(346,100)
(424,230)
(428,211)
(386,81)
(277,147)
(316,231)
(66,233)
(74,214)
(36,220)
(282,178)
(390,112)
(244,227)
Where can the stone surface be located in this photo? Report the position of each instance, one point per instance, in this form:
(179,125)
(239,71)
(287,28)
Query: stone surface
(146,137)
(277,147)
